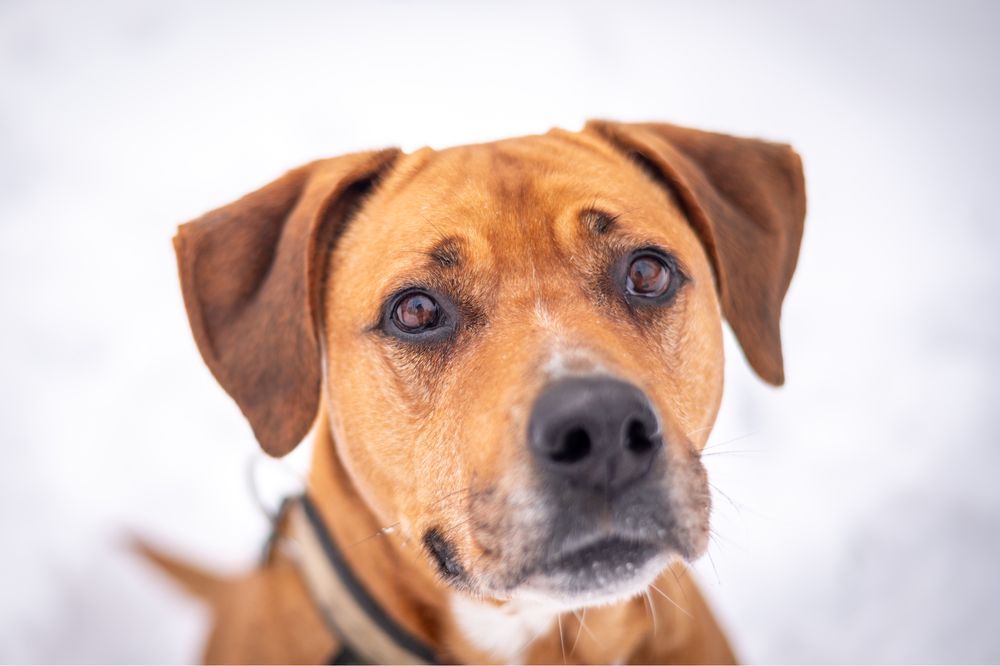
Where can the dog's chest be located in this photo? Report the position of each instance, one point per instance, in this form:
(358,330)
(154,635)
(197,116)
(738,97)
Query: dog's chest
(502,632)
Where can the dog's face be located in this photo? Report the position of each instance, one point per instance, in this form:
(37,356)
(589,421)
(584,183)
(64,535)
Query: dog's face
(476,293)
(521,340)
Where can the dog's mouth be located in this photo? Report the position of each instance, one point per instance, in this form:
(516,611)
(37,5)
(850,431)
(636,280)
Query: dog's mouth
(580,549)
(595,565)
(590,567)
(599,568)
(613,557)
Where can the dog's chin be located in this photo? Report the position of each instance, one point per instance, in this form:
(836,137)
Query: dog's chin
(600,573)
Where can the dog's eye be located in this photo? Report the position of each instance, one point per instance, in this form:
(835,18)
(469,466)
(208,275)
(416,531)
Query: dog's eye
(416,312)
(648,276)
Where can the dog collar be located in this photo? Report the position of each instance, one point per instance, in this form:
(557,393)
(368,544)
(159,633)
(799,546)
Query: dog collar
(366,633)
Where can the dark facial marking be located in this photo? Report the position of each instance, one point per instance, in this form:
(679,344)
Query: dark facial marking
(447,253)
(443,552)
(597,221)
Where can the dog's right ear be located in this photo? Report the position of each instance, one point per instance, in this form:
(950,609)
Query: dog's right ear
(251,275)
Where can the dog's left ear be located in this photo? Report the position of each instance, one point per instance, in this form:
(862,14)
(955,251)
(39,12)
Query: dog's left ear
(746,201)
(251,273)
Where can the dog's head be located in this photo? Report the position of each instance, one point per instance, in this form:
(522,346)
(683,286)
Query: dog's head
(518,343)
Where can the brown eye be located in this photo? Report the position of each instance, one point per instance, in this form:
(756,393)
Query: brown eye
(416,312)
(649,276)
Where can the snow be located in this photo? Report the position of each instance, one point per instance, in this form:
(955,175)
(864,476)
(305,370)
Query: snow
(865,514)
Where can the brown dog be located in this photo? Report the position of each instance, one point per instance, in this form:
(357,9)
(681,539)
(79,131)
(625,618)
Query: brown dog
(510,355)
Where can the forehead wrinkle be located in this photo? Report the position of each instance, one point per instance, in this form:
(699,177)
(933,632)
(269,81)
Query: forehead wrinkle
(523,224)
(521,197)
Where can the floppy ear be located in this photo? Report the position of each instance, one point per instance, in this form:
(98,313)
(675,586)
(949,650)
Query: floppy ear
(250,273)
(746,200)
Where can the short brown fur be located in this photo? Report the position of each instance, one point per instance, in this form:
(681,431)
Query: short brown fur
(520,233)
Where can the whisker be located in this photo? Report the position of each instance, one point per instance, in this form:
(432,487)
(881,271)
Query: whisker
(731,453)
(727,498)
(583,624)
(441,234)
(739,506)
(712,562)
(453,526)
(650,608)
(579,630)
(381,532)
(445,497)
(721,539)
(715,445)
(562,645)
(697,430)
(676,605)
(680,585)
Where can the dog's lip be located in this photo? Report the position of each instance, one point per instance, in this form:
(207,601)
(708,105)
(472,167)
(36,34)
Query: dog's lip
(613,551)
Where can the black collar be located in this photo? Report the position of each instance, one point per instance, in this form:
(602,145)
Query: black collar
(366,633)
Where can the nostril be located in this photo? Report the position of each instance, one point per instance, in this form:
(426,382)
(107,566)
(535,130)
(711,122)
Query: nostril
(575,446)
(637,439)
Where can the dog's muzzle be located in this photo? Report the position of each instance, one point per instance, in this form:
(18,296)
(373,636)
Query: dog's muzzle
(598,451)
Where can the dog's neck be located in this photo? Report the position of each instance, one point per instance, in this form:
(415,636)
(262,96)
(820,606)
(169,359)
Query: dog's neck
(465,630)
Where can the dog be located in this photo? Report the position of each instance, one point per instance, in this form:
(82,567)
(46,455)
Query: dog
(510,357)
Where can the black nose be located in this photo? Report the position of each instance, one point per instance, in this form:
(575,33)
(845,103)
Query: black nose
(594,431)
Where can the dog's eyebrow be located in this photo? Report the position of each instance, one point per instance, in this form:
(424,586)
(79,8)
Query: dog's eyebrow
(447,252)
(597,221)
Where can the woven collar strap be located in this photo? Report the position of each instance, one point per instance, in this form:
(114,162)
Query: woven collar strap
(366,633)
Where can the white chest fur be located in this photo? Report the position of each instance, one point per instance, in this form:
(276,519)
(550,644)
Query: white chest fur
(504,631)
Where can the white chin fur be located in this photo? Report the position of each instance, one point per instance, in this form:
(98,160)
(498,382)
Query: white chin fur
(505,631)
(547,591)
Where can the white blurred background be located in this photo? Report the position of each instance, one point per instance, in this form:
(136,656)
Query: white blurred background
(865,515)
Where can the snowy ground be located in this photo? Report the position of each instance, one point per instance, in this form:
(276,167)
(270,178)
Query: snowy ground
(868,526)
